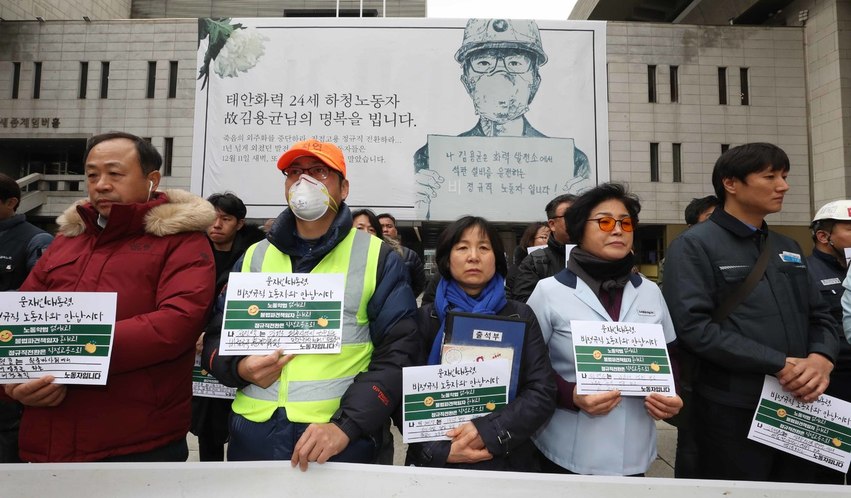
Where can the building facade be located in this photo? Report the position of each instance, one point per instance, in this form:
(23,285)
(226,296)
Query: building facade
(680,91)
(783,64)
(680,95)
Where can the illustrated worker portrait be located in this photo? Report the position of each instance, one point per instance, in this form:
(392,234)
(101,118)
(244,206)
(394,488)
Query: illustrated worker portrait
(500,61)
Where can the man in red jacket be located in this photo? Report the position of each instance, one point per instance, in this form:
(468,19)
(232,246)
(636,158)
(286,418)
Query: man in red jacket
(149,247)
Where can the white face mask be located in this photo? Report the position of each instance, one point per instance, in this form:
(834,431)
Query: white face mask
(309,199)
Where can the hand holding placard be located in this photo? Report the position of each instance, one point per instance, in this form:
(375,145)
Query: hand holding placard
(264,370)
(41,392)
(596,404)
(819,431)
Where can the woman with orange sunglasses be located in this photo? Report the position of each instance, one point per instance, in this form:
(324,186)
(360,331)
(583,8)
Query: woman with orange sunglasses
(603,433)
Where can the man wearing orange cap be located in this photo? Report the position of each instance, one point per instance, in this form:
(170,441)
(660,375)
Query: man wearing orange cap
(338,405)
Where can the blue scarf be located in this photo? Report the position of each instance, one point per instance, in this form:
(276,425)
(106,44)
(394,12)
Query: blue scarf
(450,296)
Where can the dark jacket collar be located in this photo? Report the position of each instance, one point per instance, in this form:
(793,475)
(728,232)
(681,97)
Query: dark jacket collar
(737,227)
(245,237)
(828,259)
(555,246)
(568,278)
(12,221)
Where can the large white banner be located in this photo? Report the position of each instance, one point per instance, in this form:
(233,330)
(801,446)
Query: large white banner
(538,9)
(437,118)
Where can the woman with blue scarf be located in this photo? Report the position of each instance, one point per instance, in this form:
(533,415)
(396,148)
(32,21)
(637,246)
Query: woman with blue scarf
(472,265)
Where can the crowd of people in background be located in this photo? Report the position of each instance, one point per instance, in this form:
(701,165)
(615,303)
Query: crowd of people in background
(739,301)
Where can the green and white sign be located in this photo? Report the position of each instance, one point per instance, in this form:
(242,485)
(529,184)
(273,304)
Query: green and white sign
(64,334)
(819,431)
(207,386)
(630,357)
(297,312)
(438,398)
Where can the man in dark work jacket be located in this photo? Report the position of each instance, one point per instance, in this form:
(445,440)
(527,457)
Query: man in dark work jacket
(21,244)
(782,327)
(831,230)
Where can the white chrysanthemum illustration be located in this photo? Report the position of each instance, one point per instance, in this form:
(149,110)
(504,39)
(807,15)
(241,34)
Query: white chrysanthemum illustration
(241,52)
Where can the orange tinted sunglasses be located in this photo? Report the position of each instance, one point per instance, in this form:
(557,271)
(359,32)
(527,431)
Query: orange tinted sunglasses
(607,223)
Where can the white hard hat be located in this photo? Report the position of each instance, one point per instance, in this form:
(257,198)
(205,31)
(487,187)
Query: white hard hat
(836,210)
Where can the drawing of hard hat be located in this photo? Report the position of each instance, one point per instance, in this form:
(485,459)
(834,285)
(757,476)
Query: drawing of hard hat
(501,33)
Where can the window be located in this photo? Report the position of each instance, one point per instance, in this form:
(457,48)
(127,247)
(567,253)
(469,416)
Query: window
(743,75)
(104,79)
(651,83)
(36,80)
(725,148)
(677,149)
(84,79)
(16,79)
(675,84)
(152,79)
(722,85)
(168,149)
(172,79)
(654,162)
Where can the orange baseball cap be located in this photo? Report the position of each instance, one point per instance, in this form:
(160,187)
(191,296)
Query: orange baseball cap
(326,152)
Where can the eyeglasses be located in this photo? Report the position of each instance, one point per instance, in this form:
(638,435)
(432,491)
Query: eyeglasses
(486,63)
(318,172)
(607,223)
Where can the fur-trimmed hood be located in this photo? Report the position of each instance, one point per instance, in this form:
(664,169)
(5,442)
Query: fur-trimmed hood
(179,212)
(395,245)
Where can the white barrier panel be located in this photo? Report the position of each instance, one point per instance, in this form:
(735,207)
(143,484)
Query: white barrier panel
(277,479)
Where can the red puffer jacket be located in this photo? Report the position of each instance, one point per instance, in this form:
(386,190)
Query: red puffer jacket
(156,257)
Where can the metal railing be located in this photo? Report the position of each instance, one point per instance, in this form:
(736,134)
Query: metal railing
(36,187)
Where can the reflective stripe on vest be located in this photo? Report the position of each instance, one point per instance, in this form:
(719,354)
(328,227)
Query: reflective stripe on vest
(311,386)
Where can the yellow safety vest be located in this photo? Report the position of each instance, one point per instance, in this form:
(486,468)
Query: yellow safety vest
(311,385)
